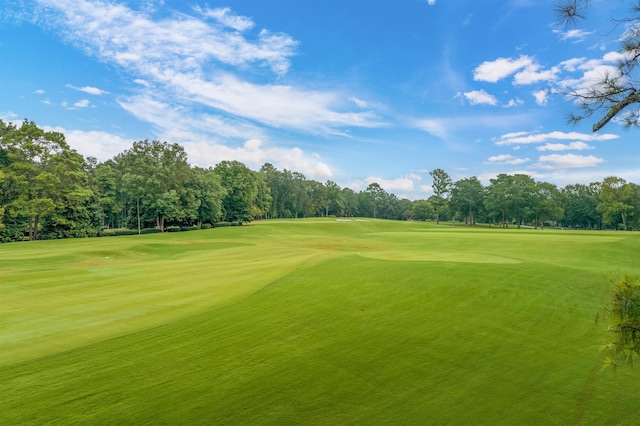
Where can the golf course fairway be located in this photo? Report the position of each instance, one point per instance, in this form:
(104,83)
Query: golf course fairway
(315,321)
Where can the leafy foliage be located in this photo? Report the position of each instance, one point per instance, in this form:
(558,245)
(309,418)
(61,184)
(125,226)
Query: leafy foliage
(623,318)
(616,93)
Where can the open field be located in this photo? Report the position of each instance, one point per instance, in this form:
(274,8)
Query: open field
(314,322)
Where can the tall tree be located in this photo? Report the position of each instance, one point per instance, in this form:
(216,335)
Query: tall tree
(241,185)
(467,196)
(616,200)
(41,170)
(616,93)
(262,203)
(210,193)
(376,195)
(546,204)
(581,205)
(441,188)
(158,177)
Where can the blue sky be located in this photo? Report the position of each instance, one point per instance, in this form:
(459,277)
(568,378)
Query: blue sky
(353,91)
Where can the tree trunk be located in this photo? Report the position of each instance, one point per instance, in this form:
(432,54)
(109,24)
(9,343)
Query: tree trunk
(35,227)
(30,228)
(138,213)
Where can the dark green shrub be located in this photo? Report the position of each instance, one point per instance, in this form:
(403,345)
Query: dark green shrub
(221,224)
(124,231)
(173,229)
(206,226)
(189,228)
(150,231)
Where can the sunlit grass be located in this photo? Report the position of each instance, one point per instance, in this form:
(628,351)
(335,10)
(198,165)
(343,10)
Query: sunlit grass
(314,322)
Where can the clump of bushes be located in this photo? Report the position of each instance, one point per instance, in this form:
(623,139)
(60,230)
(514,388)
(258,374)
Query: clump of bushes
(206,226)
(189,228)
(150,231)
(173,229)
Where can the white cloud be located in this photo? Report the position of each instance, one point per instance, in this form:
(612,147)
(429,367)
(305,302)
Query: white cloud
(436,127)
(542,97)
(119,34)
(506,159)
(532,74)
(88,89)
(390,185)
(254,154)
(572,64)
(480,97)
(493,71)
(39,92)
(573,146)
(444,127)
(575,35)
(513,103)
(359,102)
(567,161)
(528,138)
(227,18)
(181,125)
(100,145)
(181,54)
(431,2)
(83,103)
(142,82)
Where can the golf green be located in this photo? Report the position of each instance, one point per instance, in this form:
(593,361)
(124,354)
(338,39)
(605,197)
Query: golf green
(315,322)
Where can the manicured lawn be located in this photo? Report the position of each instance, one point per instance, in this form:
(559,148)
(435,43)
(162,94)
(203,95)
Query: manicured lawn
(314,322)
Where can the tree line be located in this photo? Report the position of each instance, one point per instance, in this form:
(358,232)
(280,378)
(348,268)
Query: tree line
(48,190)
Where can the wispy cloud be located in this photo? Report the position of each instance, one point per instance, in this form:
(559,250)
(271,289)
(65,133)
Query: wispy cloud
(567,161)
(180,54)
(573,146)
(133,39)
(541,96)
(398,184)
(480,97)
(227,18)
(493,71)
(574,35)
(83,103)
(88,89)
(506,159)
(522,138)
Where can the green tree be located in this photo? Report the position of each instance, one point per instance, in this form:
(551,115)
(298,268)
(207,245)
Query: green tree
(616,200)
(376,194)
(615,93)
(467,196)
(441,189)
(42,170)
(241,186)
(423,210)
(158,176)
(547,203)
(105,186)
(581,205)
(1,205)
(210,193)
(498,202)
(262,203)
(349,200)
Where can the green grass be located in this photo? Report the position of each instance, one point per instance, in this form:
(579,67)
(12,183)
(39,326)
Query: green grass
(314,322)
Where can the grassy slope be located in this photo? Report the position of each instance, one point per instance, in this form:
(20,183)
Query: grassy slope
(314,322)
